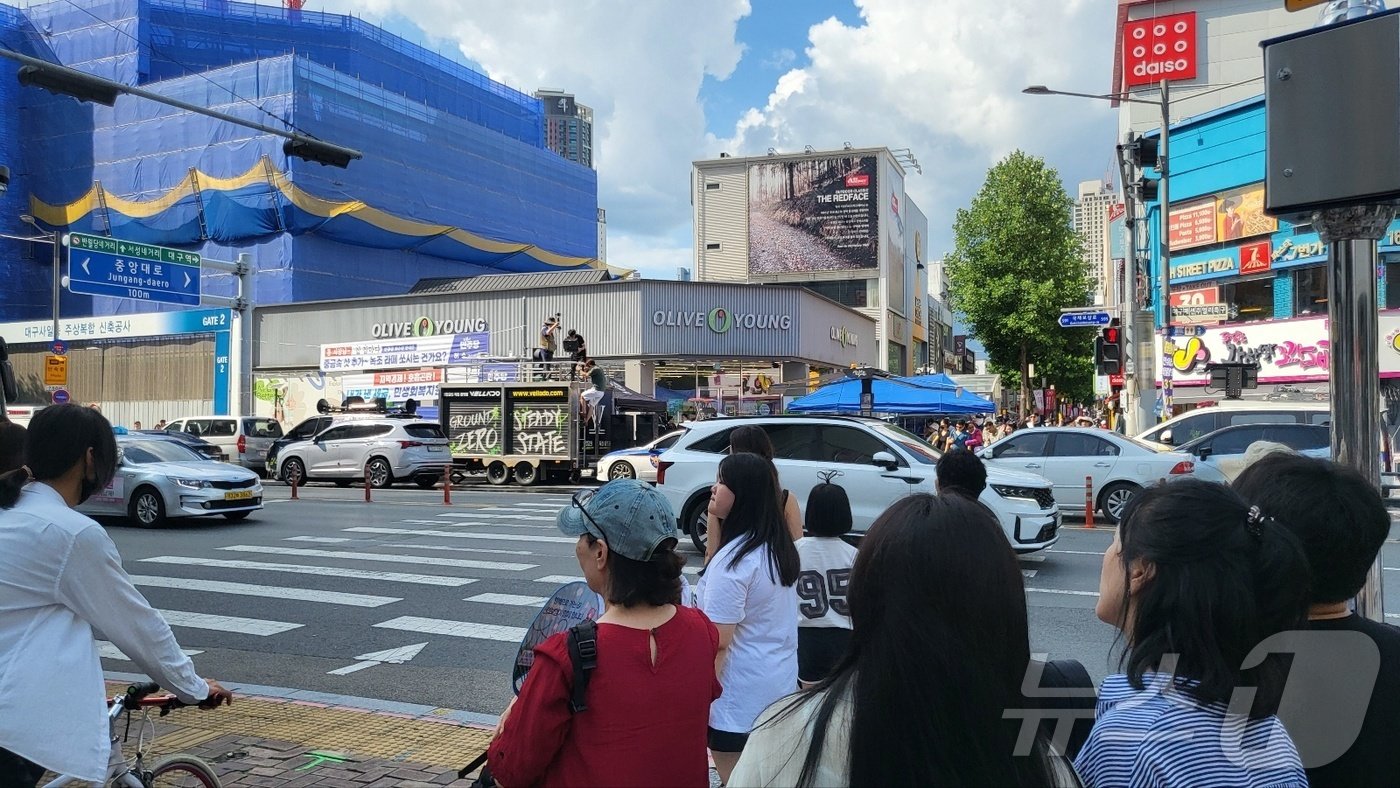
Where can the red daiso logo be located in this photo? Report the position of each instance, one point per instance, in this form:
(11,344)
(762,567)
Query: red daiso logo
(857,180)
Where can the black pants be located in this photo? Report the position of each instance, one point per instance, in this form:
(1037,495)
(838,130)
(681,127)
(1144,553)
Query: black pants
(16,772)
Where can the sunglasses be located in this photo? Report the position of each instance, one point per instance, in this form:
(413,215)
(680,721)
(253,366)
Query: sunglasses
(580,501)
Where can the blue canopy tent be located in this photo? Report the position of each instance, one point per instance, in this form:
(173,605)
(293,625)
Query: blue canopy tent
(922,395)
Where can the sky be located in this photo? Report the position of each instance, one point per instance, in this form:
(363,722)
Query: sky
(673,81)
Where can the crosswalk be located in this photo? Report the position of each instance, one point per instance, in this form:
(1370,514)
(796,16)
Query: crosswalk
(476,574)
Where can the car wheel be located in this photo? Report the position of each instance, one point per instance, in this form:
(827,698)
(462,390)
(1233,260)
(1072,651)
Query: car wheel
(236,516)
(697,514)
(622,469)
(497,473)
(1114,499)
(379,474)
(147,508)
(293,472)
(526,474)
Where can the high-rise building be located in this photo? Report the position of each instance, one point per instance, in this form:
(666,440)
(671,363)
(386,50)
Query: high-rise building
(568,126)
(1091,222)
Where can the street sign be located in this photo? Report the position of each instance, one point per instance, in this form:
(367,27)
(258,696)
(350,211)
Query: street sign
(1084,319)
(55,370)
(125,269)
(59,348)
(1188,331)
(1115,381)
(60,396)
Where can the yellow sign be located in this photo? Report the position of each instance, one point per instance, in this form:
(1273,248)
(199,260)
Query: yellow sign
(55,370)
(1299,5)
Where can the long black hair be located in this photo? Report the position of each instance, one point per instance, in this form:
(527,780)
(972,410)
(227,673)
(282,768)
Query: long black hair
(58,438)
(756,517)
(752,439)
(938,652)
(1223,578)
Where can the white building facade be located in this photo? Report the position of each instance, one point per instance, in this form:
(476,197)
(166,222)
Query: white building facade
(1091,223)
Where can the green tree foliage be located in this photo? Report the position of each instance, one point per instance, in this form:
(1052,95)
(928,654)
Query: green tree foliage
(1016,263)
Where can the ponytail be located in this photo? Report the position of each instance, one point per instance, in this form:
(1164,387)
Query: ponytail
(1281,594)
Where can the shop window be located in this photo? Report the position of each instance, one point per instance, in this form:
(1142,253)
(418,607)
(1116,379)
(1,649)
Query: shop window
(713,247)
(712,186)
(1310,290)
(1250,300)
(1391,261)
(856,293)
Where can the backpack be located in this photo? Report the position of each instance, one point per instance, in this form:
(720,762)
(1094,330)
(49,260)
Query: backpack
(583,654)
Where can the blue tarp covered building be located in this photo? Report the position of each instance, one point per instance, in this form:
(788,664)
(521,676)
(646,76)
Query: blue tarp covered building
(919,395)
(455,180)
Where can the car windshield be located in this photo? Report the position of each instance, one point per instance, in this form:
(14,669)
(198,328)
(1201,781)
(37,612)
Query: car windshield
(917,447)
(141,452)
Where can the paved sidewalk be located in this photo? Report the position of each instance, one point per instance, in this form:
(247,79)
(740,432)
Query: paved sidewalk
(266,740)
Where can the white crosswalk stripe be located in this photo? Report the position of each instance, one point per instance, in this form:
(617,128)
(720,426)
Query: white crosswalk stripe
(108,650)
(494,524)
(558,580)
(549,511)
(460,629)
(460,549)
(393,558)
(374,529)
(303,569)
(487,516)
(1063,591)
(518,600)
(319,539)
(242,626)
(273,592)
(1028,573)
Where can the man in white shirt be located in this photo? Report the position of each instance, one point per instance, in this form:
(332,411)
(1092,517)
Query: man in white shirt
(61,576)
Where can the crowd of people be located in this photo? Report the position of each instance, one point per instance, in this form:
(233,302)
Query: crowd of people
(906,661)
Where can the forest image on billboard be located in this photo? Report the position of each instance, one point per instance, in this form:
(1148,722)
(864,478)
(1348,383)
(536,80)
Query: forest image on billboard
(813,215)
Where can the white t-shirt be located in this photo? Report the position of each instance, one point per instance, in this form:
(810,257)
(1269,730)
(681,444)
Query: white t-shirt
(762,662)
(826,575)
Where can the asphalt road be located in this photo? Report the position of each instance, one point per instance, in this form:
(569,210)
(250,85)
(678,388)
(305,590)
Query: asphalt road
(306,588)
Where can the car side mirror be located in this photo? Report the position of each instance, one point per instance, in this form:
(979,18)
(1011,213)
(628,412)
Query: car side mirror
(885,460)
(1204,452)
(1166,437)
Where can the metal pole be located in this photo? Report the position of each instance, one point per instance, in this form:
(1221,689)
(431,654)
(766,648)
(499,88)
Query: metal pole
(1351,235)
(1164,219)
(57,278)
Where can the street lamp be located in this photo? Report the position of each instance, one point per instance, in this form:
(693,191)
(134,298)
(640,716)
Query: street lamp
(55,238)
(1163,214)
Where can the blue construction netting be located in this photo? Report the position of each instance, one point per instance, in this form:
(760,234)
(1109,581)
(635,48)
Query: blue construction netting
(432,159)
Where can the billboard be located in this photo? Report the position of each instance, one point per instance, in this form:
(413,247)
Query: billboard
(404,352)
(1162,47)
(817,214)
(1241,213)
(892,195)
(1193,224)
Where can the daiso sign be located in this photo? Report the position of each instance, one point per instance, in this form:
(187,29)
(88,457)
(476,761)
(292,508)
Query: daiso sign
(1163,47)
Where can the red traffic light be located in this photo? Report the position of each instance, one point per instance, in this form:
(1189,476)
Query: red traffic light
(1110,335)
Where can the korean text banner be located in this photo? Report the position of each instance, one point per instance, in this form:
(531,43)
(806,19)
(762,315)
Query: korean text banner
(819,214)
(419,384)
(404,353)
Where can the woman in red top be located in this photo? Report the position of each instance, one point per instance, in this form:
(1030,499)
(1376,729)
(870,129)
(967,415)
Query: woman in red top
(648,700)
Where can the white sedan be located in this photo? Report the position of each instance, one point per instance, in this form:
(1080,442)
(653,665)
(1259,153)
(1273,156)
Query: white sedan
(1120,467)
(638,462)
(158,479)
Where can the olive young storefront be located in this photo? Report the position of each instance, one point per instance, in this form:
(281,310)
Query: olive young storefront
(697,343)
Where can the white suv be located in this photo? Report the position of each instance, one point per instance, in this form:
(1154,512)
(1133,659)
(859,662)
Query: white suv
(879,463)
(380,450)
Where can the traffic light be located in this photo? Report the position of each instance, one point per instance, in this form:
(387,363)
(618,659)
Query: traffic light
(1108,350)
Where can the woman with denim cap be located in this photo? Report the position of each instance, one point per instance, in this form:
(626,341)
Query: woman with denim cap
(648,699)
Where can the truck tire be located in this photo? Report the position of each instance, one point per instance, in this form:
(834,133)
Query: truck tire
(497,473)
(526,474)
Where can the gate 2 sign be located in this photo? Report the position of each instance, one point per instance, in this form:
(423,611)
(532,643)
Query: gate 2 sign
(1163,47)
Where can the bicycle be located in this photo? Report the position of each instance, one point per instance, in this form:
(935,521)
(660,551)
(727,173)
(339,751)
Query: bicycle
(174,771)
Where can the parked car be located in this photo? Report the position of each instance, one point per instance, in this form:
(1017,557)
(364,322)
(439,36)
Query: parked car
(200,446)
(21,414)
(638,462)
(243,439)
(1119,466)
(159,479)
(381,450)
(1203,421)
(1220,455)
(308,428)
(879,464)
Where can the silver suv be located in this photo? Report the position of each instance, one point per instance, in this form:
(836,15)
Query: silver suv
(879,464)
(379,450)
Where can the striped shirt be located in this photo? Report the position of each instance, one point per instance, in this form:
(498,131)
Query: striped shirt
(1158,736)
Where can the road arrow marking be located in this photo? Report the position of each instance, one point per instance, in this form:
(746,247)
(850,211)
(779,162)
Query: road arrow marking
(86,260)
(393,656)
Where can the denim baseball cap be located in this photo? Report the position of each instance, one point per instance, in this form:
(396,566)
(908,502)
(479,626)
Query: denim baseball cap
(631,516)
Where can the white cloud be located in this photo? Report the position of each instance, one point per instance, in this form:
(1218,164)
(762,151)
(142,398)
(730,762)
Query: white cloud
(942,77)
(780,59)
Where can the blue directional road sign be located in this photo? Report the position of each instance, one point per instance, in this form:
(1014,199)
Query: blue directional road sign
(1084,319)
(125,269)
(1188,331)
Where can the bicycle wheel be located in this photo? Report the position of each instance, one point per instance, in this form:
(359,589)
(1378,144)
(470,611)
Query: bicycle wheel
(183,771)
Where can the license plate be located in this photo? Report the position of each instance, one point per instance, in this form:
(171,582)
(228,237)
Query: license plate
(238,495)
(437,448)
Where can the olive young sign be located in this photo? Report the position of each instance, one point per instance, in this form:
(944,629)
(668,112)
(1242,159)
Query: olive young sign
(720,320)
(425,326)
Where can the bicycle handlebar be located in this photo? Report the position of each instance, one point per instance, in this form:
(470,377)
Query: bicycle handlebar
(136,697)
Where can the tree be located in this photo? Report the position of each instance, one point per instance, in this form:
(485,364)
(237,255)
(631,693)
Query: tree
(1015,264)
